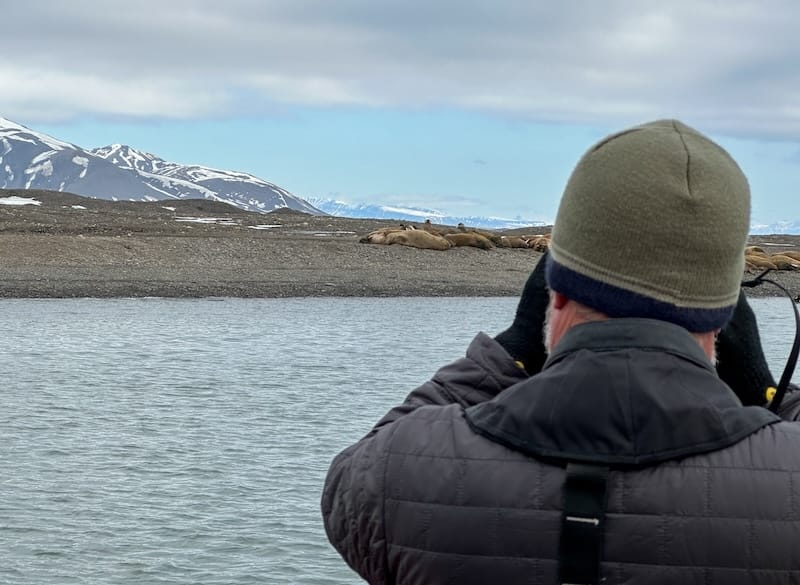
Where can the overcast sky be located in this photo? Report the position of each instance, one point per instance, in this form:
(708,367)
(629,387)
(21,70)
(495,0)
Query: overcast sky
(464,106)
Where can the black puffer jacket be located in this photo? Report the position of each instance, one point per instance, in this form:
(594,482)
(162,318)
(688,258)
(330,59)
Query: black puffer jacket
(463,483)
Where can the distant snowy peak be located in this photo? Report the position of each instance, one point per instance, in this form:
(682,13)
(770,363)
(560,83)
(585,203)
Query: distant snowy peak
(126,157)
(367,210)
(780,228)
(417,214)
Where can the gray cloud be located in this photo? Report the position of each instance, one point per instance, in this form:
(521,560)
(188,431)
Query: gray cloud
(728,66)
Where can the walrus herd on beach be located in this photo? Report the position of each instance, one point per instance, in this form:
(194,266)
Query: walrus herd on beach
(756,259)
(430,237)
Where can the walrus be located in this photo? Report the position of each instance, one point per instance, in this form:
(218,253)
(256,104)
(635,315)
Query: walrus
(758,261)
(378,236)
(469,239)
(512,242)
(754,250)
(429,227)
(488,235)
(783,262)
(418,239)
(539,243)
(792,254)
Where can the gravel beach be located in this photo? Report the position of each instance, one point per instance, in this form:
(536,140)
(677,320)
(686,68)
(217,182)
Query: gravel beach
(71,246)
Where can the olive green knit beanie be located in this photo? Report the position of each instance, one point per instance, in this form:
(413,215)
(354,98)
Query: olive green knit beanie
(653,223)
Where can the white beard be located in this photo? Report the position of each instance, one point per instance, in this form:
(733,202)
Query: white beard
(547,330)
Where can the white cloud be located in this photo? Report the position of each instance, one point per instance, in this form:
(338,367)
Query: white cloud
(51,95)
(728,66)
(308,90)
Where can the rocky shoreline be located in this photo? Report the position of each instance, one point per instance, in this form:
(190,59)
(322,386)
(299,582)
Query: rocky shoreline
(71,246)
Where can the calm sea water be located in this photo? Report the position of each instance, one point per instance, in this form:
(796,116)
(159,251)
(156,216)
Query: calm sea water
(186,441)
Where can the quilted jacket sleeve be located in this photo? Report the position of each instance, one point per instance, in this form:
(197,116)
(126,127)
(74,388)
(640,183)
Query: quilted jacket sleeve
(352,506)
(353,497)
(790,407)
(486,371)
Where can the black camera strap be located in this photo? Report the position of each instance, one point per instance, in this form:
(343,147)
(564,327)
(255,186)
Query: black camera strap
(583,524)
(791,362)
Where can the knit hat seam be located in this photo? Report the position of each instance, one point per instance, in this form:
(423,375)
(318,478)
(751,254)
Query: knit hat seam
(688,159)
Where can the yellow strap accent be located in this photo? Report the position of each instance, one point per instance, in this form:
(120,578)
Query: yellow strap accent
(519,364)
(770,393)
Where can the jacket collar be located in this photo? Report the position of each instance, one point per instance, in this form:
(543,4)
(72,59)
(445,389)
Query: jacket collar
(620,392)
(643,334)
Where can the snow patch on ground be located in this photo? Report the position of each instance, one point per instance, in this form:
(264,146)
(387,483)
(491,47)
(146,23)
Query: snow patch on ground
(19,201)
(208,220)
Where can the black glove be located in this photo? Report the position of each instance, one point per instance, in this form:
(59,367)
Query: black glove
(740,360)
(524,339)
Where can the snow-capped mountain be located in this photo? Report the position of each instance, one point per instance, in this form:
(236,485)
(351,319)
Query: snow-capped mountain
(416,214)
(31,160)
(782,227)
